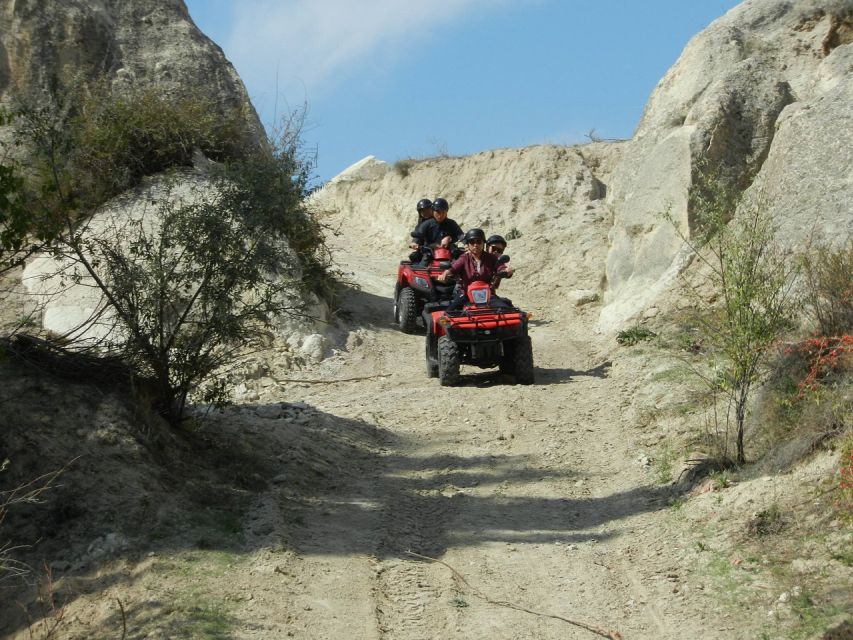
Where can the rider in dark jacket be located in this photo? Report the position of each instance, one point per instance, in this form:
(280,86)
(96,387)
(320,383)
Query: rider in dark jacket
(441,230)
(424,208)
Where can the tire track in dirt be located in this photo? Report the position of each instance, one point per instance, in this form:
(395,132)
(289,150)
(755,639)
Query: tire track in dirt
(408,592)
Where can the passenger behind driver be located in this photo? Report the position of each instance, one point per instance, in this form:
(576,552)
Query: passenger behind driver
(496,245)
(424,208)
(475,265)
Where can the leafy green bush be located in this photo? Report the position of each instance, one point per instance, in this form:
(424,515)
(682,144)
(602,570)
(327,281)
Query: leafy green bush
(828,288)
(753,280)
(186,285)
(17,223)
(634,335)
(92,143)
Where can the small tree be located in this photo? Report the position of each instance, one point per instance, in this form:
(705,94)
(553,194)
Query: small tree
(184,284)
(752,279)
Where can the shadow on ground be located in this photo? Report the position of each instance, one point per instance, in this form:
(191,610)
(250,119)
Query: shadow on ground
(334,486)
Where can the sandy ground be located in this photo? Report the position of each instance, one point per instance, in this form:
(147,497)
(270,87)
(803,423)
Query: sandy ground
(526,495)
(359,499)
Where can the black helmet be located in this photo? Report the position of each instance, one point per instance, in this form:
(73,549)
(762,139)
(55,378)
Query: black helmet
(440,204)
(424,203)
(474,234)
(496,239)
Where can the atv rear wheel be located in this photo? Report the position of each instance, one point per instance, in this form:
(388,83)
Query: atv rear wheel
(431,367)
(448,362)
(407,310)
(522,358)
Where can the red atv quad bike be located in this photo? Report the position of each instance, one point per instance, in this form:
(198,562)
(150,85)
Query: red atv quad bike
(487,332)
(417,285)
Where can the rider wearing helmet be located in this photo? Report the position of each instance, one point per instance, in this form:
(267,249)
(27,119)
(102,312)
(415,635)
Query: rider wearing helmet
(475,265)
(424,208)
(441,230)
(496,244)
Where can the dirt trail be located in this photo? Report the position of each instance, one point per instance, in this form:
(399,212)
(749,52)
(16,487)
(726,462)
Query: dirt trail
(529,493)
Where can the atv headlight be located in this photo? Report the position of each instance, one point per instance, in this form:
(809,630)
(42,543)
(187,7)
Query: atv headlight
(421,282)
(480,296)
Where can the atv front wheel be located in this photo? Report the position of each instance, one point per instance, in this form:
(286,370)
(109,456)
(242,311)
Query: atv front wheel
(448,362)
(431,367)
(407,310)
(522,359)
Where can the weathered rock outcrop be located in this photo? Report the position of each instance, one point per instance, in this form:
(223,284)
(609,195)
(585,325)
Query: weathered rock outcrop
(764,94)
(48,46)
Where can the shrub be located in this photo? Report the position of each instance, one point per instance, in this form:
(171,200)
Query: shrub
(752,280)
(186,285)
(828,288)
(17,224)
(91,143)
(634,335)
(404,167)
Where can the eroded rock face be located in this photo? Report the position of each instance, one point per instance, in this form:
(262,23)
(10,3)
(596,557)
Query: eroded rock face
(764,93)
(807,180)
(46,46)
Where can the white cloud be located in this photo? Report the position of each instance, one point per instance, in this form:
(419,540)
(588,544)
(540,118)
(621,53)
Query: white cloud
(309,42)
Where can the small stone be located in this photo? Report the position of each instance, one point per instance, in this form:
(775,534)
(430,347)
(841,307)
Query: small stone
(580,297)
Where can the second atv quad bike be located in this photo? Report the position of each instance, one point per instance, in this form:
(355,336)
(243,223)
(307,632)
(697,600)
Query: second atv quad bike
(417,285)
(487,332)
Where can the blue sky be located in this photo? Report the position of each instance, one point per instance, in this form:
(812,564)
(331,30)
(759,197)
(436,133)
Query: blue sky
(404,78)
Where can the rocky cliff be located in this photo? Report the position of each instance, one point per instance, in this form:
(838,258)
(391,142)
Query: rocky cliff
(764,93)
(48,46)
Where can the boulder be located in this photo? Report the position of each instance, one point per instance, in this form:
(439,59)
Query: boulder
(74,307)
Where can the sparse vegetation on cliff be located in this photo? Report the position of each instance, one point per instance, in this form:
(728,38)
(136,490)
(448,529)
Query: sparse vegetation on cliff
(752,281)
(186,284)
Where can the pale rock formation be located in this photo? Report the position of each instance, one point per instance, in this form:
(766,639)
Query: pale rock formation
(763,92)
(369,168)
(47,46)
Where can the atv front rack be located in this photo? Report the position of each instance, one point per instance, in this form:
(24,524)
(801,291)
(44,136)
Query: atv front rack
(485,318)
